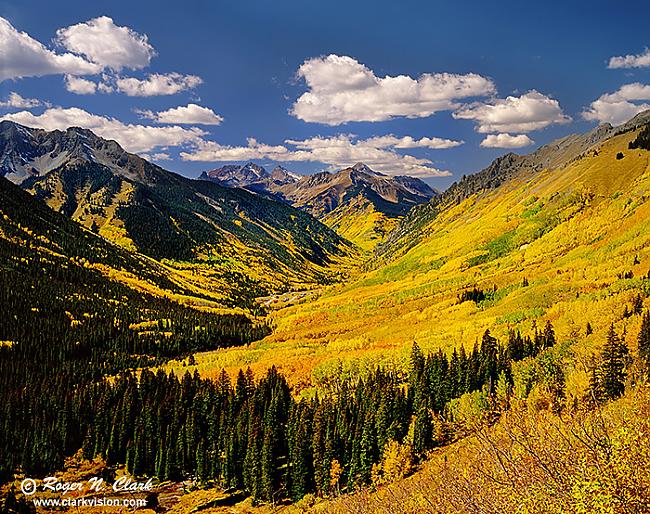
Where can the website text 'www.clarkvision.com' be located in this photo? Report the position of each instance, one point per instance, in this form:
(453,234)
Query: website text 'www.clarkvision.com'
(57,503)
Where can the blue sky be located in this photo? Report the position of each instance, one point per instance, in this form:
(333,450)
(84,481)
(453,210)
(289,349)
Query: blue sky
(255,61)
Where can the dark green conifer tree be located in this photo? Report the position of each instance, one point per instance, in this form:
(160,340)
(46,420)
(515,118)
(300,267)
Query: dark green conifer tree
(422,432)
(644,346)
(612,366)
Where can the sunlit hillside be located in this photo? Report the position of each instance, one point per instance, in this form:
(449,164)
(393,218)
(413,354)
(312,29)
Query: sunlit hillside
(360,223)
(529,462)
(568,245)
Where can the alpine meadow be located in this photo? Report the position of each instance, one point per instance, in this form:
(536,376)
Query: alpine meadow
(324,258)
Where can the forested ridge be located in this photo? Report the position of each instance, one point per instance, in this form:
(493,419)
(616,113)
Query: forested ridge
(66,326)
(254,436)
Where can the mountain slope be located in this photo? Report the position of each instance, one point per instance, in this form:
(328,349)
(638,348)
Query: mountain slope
(532,460)
(362,205)
(551,156)
(554,244)
(226,233)
(87,276)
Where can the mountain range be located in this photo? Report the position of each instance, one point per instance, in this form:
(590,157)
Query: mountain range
(251,176)
(230,236)
(361,204)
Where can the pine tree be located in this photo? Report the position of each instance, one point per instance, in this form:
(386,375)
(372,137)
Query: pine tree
(489,362)
(368,453)
(417,384)
(549,335)
(595,393)
(417,362)
(637,306)
(300,451)
(422,432)
(320,465)
(201,464)
(612,367)
(644,346)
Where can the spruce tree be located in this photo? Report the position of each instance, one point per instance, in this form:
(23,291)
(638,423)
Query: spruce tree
(595,393)
(422,432)
(644,346)
(549,335)
(637,306)
(612,367)
(489,363)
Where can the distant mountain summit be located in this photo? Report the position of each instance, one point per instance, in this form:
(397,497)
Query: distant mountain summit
(250,176)
(28,153)
(360,203)
(324,192)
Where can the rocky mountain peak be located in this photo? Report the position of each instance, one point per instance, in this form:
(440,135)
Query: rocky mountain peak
(360,167)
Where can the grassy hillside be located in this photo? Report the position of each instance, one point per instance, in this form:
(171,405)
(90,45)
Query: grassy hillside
(569,245)
(360,222)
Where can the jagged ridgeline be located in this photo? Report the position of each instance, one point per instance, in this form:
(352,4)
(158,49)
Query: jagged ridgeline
(230,236)
(361,204)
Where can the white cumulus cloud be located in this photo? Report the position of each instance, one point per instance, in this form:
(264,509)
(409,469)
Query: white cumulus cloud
(434,143)
(620,106)
(525,113)
(337,152)
(107,44)
(157,84)
(631,61)
(159,157)
(506,141)
(133,137)
(15,101)
(342,90)
(80,86)
(23,56)
(184,115)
